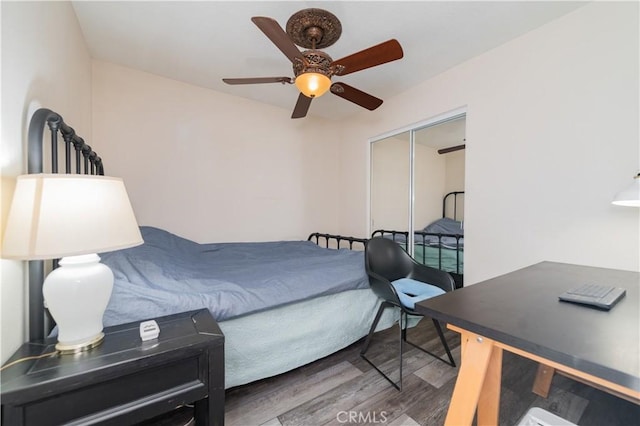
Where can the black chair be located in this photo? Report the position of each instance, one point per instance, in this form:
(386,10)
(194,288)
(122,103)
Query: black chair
(385,263)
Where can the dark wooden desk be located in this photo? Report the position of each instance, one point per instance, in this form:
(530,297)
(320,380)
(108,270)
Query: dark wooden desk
(124,380)
(520,312)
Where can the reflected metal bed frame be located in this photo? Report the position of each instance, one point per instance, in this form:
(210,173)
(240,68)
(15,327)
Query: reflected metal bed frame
(458,274)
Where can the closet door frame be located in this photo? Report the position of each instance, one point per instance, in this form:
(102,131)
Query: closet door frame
(411,128)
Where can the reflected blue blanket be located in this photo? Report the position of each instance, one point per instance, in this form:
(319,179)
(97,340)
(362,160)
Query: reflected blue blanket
(169,274)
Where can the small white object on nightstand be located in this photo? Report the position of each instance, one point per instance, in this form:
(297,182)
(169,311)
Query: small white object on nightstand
(149,330)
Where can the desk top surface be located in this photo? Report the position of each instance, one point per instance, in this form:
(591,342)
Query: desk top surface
(521,309)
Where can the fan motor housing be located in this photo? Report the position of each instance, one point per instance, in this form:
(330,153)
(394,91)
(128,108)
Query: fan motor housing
(314,61)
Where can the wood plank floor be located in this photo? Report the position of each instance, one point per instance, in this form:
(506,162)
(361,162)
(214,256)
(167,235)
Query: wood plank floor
(343,389)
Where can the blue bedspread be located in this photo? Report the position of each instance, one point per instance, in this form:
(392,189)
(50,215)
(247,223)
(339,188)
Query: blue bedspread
(169,274)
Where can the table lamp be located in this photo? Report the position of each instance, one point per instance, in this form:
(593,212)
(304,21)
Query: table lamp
(629,196)
(73,217)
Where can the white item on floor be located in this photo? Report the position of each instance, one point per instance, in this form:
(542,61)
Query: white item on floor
(536,416)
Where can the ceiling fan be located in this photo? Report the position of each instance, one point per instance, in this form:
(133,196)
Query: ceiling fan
(315,29)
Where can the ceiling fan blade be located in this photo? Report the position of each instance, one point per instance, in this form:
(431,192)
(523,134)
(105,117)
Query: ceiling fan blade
(376,55)
(278,36)
(356,96)
(258,80)
(302,106)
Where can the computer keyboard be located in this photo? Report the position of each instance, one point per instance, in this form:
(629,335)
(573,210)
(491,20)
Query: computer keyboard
(599,296)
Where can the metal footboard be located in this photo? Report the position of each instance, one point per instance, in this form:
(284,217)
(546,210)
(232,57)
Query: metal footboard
(339,239)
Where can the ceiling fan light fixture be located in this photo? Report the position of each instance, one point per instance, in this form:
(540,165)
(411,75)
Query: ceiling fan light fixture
(313,69)
(313,84)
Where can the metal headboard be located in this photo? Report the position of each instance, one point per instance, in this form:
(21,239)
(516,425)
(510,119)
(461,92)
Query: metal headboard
(86,162)
(455,195)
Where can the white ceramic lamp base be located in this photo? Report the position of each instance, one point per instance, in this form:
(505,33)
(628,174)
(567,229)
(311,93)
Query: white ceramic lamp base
(77,294)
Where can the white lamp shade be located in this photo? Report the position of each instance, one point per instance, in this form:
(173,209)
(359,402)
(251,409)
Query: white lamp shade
(630,196)
(57,215)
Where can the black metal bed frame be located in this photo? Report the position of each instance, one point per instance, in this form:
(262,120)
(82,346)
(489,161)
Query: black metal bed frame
(455,195)
(458,275)
(338,238)
(86,162)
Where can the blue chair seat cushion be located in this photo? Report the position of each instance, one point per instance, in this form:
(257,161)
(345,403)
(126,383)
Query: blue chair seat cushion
(411,291)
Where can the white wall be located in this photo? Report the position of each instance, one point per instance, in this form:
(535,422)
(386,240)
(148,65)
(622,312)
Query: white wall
(434,176)
(454,171)
(454,181)
(552,135)
(429,185)
(219,168)
(390,183)
(45,63)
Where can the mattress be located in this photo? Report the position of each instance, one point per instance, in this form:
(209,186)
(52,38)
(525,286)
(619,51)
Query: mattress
(271,342)
(280,304)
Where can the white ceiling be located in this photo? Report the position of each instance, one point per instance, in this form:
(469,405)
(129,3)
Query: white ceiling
(202,42)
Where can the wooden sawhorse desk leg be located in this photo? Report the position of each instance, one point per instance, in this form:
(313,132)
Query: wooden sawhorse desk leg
(542,382)
(544,376)
(478,382)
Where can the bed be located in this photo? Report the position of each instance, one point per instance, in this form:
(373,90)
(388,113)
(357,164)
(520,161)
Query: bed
(440,244)
(280,304)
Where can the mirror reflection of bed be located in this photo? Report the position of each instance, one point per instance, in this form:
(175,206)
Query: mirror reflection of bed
(417,187)
(440,244)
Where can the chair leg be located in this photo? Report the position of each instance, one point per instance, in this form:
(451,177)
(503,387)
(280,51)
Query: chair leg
(403,336)
(451,361)
(367,342)
(402,328)
(406,324)
(444,342)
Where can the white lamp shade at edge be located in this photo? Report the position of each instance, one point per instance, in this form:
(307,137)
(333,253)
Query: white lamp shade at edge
(57,215)
(630,196)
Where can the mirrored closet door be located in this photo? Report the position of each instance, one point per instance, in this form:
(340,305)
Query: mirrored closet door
(390,183)
(417,189)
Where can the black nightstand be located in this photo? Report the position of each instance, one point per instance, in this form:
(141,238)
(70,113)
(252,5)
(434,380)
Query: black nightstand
(124,380)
